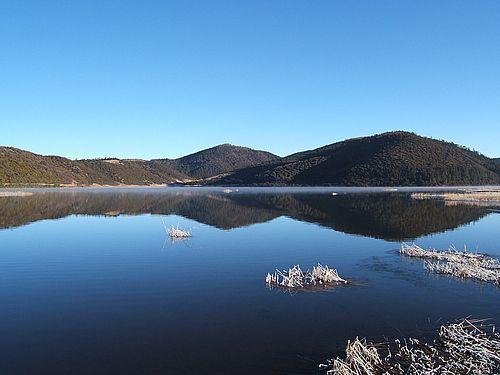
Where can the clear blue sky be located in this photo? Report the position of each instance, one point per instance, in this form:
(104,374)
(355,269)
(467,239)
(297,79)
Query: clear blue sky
(165,78)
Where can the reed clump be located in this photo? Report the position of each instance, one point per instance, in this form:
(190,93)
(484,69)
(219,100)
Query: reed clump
(462,264)
(296,278)
(464,196)
(178,233)
(466,347)
(175,232)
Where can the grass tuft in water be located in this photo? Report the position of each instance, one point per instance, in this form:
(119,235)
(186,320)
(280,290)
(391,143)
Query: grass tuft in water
(296,278)
(462,264)
(466,347)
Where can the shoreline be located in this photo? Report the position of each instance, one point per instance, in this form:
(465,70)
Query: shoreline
(334,190)
(79,186)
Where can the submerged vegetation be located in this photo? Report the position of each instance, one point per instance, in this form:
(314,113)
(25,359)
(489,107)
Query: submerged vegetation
(460,264)
(296,278)
(466,347)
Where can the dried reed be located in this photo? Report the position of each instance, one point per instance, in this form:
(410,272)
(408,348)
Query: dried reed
(466,347)
(460,264)
(296,278)
(175,232)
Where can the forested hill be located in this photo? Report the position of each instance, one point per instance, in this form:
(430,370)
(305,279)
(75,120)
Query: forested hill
(19,167)
(219,159)
(388,159)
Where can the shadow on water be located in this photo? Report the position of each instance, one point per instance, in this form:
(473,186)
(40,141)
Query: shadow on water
(389,216)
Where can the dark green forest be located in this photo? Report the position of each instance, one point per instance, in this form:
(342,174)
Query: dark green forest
(388,159)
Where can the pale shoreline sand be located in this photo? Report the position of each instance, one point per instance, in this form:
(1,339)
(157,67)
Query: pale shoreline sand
(418,190)
(15,194)
(63,186)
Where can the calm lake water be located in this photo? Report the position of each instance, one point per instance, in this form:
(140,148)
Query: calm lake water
(90,283)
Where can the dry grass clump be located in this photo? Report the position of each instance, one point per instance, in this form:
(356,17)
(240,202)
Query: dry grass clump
(175,232)
(361,358)
(465,271)
(460,264)
(465,196)
(452,255)
(178,233)
(15,193)
(461,348)
(296,278)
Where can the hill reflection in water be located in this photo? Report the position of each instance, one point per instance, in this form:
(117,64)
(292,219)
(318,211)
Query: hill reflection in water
(389,216)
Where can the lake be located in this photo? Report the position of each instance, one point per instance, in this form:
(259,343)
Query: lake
(90,283)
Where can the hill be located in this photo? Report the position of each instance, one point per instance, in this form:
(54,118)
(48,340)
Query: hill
(18,167)
(218,160)
(388,159)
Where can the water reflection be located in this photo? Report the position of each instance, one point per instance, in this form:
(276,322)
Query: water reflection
(389,216)
(115,290)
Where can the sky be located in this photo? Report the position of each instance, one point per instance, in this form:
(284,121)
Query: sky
(153,79)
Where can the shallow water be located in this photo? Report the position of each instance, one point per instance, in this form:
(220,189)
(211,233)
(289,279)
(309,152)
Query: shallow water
(90,283)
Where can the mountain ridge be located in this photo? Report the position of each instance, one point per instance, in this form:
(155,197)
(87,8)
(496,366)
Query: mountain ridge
(218,160)
(389,159)
(396,158)
(20,167)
